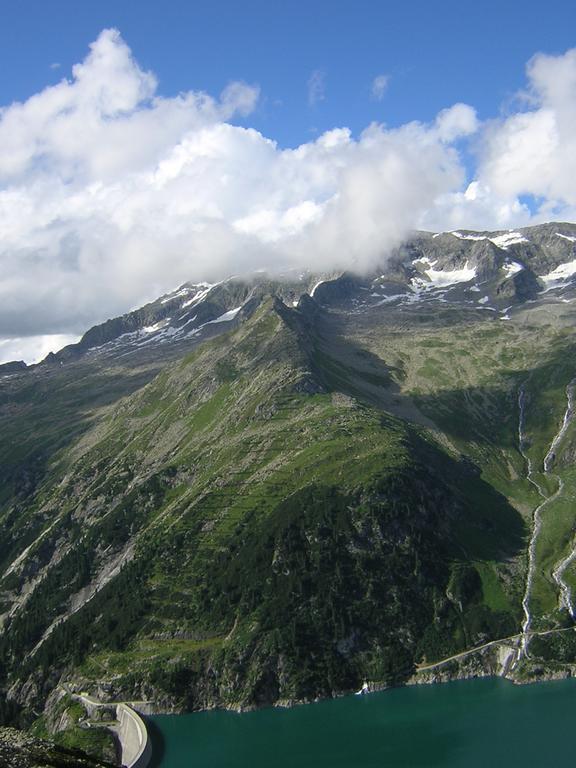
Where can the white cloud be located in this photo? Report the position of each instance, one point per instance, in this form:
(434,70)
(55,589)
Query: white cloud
(379,87)
(316,87)
(533,152)
(529,153)
(456,122)
(33,349)
(111,194)
(105,122)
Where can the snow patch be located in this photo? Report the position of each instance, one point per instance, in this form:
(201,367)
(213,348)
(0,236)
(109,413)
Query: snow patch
(226,317)
(148,329)
(390,299)
(425,260)
(484,300)
(162,335)
(511,238)
(570,238)
(318,284)
(502,241)
(441,277)
(512,268)
(182,292)
(559,275)
(205,289)
(462,236)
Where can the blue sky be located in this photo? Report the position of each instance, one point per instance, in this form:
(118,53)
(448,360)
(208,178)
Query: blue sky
(143,144)
(434,53)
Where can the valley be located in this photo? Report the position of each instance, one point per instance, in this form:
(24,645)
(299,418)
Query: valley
(283,487)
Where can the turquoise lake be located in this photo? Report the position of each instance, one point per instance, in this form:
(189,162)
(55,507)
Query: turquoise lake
(486,723)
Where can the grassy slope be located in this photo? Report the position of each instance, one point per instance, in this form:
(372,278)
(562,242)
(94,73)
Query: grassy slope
(287,540)
(466,378)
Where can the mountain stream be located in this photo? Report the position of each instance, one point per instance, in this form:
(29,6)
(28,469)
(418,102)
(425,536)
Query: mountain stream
(566,598)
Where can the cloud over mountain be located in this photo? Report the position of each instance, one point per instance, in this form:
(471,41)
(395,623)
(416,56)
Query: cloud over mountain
(111,193)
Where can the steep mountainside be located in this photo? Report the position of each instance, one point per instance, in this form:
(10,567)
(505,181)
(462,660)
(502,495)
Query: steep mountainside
(18,750)
(273,490)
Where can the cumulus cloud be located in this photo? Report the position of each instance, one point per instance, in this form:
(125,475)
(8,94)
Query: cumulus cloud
(111,194)
(529,155)
(456,122)
(379,87)
(534,152)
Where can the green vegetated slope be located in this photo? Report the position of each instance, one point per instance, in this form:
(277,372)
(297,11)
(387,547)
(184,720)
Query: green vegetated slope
(466,376)
(250,527)
(23,751)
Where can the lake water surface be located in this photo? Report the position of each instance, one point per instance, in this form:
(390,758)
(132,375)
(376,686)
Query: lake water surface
(484,723)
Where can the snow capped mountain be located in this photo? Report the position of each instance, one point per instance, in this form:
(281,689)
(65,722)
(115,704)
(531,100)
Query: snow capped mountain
(472,271)
(191,450)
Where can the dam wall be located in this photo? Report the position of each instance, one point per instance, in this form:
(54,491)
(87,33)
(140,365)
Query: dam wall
(133,737)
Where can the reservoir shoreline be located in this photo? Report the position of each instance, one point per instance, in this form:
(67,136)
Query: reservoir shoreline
(466,723)
(492,660)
